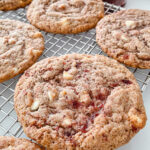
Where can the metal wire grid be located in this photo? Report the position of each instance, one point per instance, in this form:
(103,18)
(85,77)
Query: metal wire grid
(55,44)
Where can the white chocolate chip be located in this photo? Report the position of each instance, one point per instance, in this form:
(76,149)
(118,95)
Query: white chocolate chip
(33,52)
(35,106)
(12,41)
(116,34)
(86,59)
(135,119)
(36,35)
(85,98)
(139,120)
(65,22)
(52,94)
(67,122)
(15,70)
(36,52)
(130,24)
(67,76)
(73,71)
(124,38)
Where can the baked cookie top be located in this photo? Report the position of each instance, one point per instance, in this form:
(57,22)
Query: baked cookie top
(13,4)
(20,46)
(79,102)
(125,36)
(65,16)
(11,143)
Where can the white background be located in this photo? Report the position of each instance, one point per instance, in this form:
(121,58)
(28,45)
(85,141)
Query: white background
(142,140)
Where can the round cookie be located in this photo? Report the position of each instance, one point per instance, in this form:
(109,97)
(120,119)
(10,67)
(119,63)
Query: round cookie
(125,36)
(21,45)
(11,143)
(63,16)
(13,4)
(79,102)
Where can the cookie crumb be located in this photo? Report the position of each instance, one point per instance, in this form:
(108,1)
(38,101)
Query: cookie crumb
(52,94)
(66,122)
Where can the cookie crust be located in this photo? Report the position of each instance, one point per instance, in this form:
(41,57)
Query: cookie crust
(13,4)
(65,17)
(125,36)
(13,143)
(79,102)
(21,45)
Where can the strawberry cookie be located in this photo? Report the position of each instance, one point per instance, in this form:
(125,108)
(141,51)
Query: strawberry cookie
(78,102)
(21,44)
(65,16)
(125,36)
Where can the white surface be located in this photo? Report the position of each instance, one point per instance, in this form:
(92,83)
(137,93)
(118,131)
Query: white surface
(140,4)
(142,140)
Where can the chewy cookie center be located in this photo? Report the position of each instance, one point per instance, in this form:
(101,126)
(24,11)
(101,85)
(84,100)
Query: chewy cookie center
(68,8)
(71,95)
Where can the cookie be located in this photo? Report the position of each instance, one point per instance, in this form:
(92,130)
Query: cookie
(11,143)
(79,102)
(125,36)
(13,4)
(63,16)
(21,45)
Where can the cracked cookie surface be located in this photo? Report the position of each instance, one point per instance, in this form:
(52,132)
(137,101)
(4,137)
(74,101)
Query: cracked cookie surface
(125,36)
(21,45)
(13,4)
(12,143)
(80,102)
(65,16)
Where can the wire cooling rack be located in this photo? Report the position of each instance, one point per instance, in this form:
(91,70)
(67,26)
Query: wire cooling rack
(55,44)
